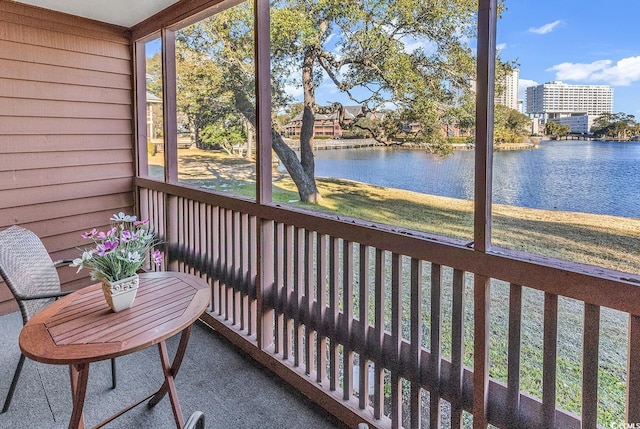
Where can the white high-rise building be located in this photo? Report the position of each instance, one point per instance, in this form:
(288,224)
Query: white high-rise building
(507,90)
(558,99)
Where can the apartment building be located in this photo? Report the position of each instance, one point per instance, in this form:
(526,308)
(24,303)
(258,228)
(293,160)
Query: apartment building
(507,90)
(558,99)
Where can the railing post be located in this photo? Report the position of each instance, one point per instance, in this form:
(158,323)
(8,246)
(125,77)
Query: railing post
(633,371)
(485,77)
(265,275)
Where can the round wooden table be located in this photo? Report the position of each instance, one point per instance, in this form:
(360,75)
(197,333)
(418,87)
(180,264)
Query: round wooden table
(80,328)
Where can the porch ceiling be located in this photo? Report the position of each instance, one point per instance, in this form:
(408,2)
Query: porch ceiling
(119,12)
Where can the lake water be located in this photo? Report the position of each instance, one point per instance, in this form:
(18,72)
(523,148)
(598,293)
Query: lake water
(581,176)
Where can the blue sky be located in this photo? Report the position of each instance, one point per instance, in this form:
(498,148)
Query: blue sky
(577,42)
(574,41)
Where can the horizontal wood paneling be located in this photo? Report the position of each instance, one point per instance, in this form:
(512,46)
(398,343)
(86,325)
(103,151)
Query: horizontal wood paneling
(8,162)
(86,126)
(62,109)
(66,133)
(58,91)
(54,143)
(62,209)
(20,179)
(67,191)
(15,32)
(64,23)
(12,69)
(44,55)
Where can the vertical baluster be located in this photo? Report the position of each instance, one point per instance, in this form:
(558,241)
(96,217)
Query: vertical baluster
(364,325)
(222,258)
(298,282)
(172,237)
(457,346)
(416,340)
(633,371)
(279,287)
(191,226)
(347,297)
(378,383)
(243,278)
(288,287)
(549,360)
(308,298)
(236,272)
(215,259)
(184,234)
(590,353)
(513,354)
(162,205)
(207,258)
(253,272)
(321,299)
(181,234)
(334,268)
(435,345)
(202,240)
(481,340)
(143,203)
(396,337)
(228,278)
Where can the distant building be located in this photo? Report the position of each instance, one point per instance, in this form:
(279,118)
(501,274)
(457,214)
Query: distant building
(154,116)
(326,125)
(558,99)
(507,90)
(578,123)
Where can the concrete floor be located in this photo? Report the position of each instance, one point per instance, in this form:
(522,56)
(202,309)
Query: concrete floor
(214,378)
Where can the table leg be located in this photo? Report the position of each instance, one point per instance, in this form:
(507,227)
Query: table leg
(170,372)
(79,375)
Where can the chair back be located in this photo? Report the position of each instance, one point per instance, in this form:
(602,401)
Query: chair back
(27,269)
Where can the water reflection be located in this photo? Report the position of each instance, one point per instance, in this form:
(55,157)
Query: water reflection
(590,177)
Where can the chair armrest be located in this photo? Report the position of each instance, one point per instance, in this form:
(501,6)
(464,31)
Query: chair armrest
(196,421)
(43,296)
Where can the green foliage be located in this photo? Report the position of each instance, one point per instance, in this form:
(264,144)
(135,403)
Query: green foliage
(620,126)
(225,136)
(555,129)
(510,126)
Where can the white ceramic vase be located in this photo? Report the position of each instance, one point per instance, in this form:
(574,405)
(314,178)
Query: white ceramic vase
(121,293)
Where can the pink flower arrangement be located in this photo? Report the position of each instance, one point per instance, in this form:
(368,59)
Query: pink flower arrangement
(121,251)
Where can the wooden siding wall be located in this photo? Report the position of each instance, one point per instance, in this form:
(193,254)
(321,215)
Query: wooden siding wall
(66,151)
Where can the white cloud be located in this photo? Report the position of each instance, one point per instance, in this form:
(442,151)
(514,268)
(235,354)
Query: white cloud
(501,46)
(294,91)
(546,28)
(623,73)
(523,84)
(411,45)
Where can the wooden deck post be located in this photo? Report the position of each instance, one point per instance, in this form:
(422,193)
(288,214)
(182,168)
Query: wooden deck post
(487,18)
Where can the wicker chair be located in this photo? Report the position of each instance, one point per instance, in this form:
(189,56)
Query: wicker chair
(30,274)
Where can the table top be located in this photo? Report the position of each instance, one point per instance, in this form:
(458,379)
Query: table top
(80,327)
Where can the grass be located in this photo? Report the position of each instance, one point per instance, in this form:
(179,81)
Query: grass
(606,241)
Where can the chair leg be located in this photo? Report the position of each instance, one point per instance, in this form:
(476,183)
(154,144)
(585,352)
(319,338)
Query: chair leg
(113,373)
(14,382)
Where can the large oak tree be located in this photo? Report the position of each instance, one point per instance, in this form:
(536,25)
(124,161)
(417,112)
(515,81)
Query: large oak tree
(404,56)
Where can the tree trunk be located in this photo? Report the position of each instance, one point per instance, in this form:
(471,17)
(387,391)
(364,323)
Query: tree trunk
(249,129)
(306,185)
(305,182)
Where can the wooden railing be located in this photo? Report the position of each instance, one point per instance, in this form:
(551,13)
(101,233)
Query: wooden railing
(370,323)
